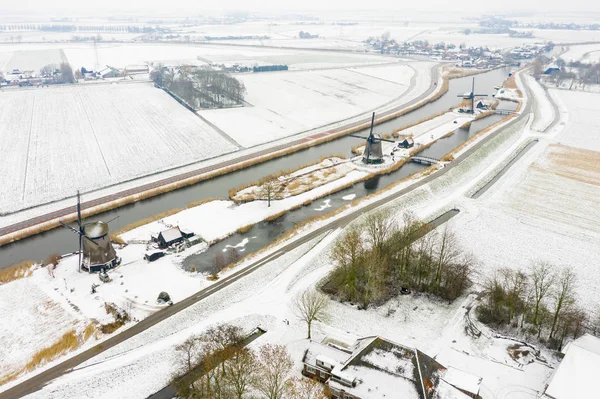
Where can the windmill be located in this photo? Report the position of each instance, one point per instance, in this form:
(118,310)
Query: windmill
(471,96)
(373,153)
(95,249)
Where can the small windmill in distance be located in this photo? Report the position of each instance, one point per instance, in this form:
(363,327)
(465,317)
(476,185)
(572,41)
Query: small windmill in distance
(373,154)
(471,96)
(95,249)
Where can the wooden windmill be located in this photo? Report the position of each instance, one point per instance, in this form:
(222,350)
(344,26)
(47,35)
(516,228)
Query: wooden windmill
(471,96)
(95,248)
(373,154)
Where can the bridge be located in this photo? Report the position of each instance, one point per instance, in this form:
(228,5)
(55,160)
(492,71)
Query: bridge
(503,112)
(425,160)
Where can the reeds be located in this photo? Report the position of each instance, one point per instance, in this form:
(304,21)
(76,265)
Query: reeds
(16,271)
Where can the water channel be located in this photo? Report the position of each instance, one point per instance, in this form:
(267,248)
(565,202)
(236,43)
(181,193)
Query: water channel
(38,247)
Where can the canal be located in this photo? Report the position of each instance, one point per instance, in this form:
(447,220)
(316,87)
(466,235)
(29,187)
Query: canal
(60,240)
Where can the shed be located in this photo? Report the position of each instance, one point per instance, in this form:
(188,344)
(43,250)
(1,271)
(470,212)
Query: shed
(169,237)
(480,104)
(408,142)
(186,233)
(152,256)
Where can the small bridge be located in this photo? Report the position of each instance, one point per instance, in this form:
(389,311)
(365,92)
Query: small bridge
(425,160)
(503,111)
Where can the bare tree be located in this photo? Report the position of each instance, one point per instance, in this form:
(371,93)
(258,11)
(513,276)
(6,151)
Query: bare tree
(564,295)
(309,306)
(542,280)
(274,365)
(379,226)
(188,352)
(270,189)
(239,371)
(306,388)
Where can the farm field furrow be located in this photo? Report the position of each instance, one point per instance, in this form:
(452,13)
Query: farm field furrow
(71,138)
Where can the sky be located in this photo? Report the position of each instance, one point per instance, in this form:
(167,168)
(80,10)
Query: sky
(198,6)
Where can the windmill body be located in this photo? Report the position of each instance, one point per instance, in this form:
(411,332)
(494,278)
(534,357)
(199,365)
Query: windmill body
(471,96)
(373,153)
(96,252)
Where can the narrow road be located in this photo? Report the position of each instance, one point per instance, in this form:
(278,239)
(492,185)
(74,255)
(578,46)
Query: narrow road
(37,382)
(61,213)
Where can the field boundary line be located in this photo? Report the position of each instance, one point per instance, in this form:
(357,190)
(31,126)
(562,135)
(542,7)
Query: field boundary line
(28,146)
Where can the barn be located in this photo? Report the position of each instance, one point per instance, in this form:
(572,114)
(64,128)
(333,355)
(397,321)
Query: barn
(169,237)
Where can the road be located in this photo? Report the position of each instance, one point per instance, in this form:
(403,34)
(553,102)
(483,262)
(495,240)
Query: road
(61,213)
(37,382)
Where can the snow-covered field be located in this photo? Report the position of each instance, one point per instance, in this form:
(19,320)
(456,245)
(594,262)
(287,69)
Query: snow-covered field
(589,53)
(58,140)
(584,118)
(31,320)
(545,207)
(120,55)
(34,60)
(287,103)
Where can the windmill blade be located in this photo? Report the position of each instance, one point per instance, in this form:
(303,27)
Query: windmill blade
(79,212)
(372,124)
(358,137)
(80,251)
(389,141)
(473,86)
(90,240)
(113,219)
(74,230)
(480,95)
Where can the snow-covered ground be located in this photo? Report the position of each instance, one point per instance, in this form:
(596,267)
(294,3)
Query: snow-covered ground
(589,53)
(120,55)
(543,109)
(218,219)
(545,207)
(252,302)
(287,103)
(58,140)
(584,117)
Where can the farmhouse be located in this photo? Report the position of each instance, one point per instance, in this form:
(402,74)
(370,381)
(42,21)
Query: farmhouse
(576,372)
(374,367)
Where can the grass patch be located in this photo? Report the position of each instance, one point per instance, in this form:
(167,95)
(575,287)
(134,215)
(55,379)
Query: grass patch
(234,191)
(358,149)
(244,229)
(16,271)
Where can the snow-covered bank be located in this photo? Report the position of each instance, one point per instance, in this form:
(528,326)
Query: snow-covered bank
(543,109)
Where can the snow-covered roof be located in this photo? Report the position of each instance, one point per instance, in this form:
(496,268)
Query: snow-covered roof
(447,391)
(373,383)
(171,234)
(332,355)
(576,375)
(462,380)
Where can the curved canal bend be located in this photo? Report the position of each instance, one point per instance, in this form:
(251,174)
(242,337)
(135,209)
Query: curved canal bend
(58,240)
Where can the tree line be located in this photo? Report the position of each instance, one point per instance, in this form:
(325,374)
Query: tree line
(201,87)
(218,365)
(540,302)
(376,260)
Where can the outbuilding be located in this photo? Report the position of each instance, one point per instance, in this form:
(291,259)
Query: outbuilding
(169,237)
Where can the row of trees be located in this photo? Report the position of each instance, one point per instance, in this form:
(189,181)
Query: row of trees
(375,260)
(201,87)
(217,365)
(573,74)
(62,73)
(540,301)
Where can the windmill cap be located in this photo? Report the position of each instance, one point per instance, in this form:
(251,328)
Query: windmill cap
(96,229)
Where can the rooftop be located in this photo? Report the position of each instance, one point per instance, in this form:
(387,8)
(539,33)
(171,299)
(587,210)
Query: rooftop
(576,375)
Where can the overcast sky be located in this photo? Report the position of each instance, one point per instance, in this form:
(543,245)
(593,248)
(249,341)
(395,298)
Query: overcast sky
(198,6)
